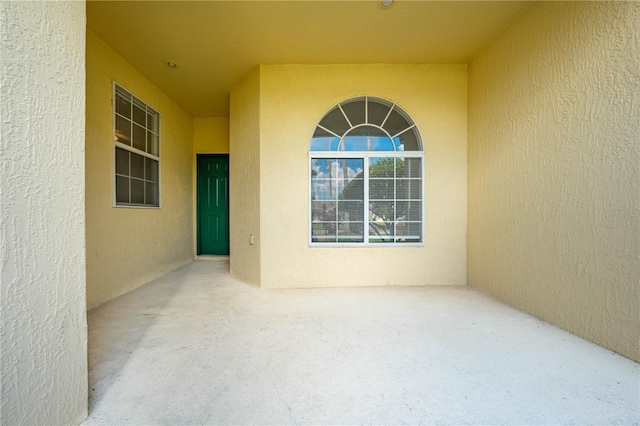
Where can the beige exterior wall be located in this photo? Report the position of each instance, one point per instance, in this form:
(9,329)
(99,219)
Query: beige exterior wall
(293,98)
(244,179)
(211,135)
(43,347)
(127,247)
(554,176)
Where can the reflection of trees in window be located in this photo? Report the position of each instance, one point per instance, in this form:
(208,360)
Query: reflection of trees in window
(394,198)
(385,193)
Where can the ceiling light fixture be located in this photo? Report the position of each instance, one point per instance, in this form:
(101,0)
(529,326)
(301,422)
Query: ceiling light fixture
(171,64)
(386,3)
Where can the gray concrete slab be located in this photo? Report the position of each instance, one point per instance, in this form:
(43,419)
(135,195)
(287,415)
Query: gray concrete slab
(200,347)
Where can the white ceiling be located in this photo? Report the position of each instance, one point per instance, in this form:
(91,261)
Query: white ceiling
(216,43)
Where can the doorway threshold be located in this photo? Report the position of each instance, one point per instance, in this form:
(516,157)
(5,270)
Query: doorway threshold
(212,257)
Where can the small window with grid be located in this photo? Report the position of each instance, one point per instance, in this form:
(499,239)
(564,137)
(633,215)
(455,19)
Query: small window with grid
(137,151)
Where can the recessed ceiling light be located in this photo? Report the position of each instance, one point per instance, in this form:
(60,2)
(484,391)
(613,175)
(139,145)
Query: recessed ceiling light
(171,64)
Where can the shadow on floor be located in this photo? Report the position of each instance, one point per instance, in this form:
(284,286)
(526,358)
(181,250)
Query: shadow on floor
(117,328)
(199,347)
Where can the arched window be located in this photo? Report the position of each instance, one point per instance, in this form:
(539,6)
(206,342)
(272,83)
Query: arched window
(366,175)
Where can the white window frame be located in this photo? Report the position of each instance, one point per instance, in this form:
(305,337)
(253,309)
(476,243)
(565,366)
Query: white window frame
(132,149)
(365,156)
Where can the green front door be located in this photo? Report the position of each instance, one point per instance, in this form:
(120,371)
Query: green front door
(213,204)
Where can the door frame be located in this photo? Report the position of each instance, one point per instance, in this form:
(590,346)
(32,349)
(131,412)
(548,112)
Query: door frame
(198,156)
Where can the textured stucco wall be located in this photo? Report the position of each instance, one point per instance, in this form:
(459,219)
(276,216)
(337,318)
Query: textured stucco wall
(244,179)
(211,135)
(44,331)
(293,98)
(128,247)
(554,169)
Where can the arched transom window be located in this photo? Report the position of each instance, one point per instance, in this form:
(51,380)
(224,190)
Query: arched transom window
(366,175)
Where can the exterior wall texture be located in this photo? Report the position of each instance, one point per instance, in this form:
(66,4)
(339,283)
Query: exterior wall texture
(211,135)
(128,247)
(244,179)
(44,328)
(554,176)
(293,98)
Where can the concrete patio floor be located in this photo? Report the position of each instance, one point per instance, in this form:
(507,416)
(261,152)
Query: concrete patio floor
(197,346)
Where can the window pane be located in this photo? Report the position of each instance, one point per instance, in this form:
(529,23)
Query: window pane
(335,122)
(382,210)
(139,114)
(324,143)
(137,191)
(323,232)
(377,112)
(324,189)
(152,143)
(122,162)
(409,167)
(408,141)
(381,189)
(354,190)
(350,211)
(122,189)
(150,169)
(382,167)
(409,189)
(123,105)
(409,210)
(321,133)
(366,138)
(354,110)
(123,130)
(331,176)
(137,165)
(139,140)
(151,194)
(396,123)
(381,231)
(323,211)
(152,120)
(350,232)
(354,143)
(409,232)
(337,206)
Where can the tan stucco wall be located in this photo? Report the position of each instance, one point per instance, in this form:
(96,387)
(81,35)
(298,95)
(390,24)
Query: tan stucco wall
(43,321)
(293,98)
(554,170)
(244,179)
(211,135)
(127,247)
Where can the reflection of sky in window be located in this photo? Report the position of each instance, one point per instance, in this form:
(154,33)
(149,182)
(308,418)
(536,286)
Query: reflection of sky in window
(330,175)
(375,160)
(367,143)
(357,143)
(324,144)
